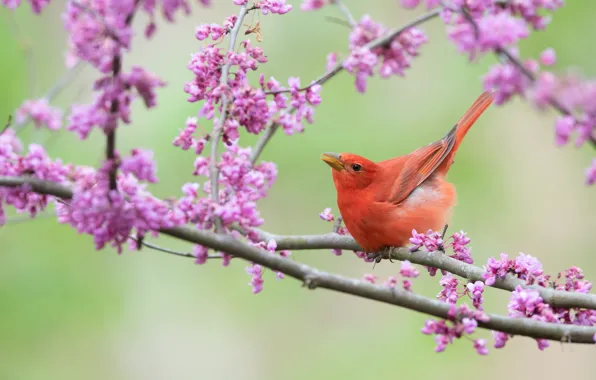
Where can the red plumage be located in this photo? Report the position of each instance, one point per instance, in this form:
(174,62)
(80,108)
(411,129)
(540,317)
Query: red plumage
(382,202)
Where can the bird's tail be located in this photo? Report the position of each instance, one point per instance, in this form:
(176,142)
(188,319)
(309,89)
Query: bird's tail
(472,114)
(465,123)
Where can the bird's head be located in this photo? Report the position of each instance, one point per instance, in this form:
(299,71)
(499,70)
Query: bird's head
(350,171)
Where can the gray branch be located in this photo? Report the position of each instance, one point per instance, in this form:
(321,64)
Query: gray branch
(218,128)
(555,298)
(338,68)
(313,278)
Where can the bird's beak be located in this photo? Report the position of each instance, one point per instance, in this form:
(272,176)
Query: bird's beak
(333,160)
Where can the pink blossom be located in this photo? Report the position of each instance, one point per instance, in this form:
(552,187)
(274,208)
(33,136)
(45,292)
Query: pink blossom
(273,6)
(36,164)
(446,331)
(564,126)
(36,5)
(506,81)
(110,216)
(500,338)
(393,59)
(475,291)
(449,291)
(495,31)
(41,113)
(391,282)
(201,254)
(414,3)
(496,269)
(256,281)
(548,57)
(591,173)
(145,83)
(480,346)
(408,270)
(460,249)
(312,5)
(327,215)
(331,61)
(431,241)
(371,278)
(141,165)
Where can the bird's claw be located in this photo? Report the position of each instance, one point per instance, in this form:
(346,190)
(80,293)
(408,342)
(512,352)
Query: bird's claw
(378,256)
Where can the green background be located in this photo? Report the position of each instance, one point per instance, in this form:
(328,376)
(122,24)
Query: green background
(69,312)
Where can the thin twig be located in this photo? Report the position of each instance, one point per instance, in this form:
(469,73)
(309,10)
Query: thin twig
(54,91)
(379,42)
(7,125)
(217,129)
(170,251)
(346,12)
(553,102)
(337,224)
(28,53)
(502,52)
(114,110)
(262,142)
(338,21)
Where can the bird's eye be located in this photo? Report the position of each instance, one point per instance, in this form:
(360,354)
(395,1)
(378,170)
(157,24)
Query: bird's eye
(356,167)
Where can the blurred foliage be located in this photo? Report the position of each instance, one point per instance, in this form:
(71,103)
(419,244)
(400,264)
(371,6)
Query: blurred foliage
(69,312)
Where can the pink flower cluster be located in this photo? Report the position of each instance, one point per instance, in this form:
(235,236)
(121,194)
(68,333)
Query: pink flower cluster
(249,107)
(41,113)
(268,6)
(525,267)
(111,216)
(36,5)
(407,271)
(327,216)
(241,186)
(392,59)
(168,9)
(312,5)
(113,90)
(477,27)
(527,303)
(462,321)
(432,241)
(35,163)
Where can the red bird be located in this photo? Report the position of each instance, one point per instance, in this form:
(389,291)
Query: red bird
(382,202)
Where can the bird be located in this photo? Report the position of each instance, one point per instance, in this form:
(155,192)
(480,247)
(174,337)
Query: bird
(381,203)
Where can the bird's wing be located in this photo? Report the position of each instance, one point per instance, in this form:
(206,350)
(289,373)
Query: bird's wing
(423,162)
(420,165)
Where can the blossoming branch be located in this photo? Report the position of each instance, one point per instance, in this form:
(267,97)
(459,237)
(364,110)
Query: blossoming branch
(218,211)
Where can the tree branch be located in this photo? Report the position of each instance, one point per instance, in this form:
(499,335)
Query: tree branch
(114,109)
(379,42)
(506,55)
(217,129)
(313,278)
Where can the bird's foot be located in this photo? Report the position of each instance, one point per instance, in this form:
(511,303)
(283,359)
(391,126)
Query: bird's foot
(385,253)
